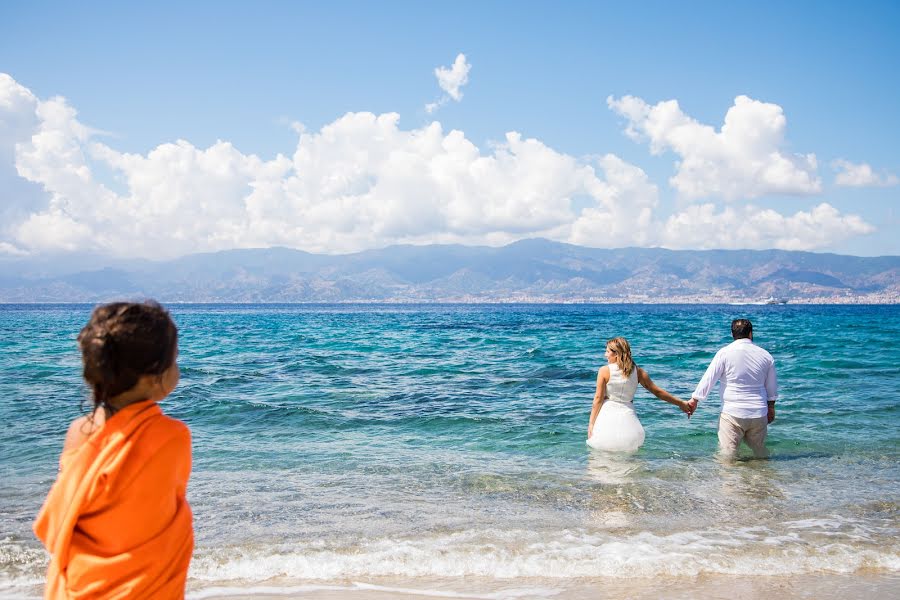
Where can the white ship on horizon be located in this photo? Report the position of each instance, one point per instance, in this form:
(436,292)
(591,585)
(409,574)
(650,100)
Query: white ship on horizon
(770,300)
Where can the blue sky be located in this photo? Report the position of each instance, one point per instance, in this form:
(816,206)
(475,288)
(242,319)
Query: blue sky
(181,125)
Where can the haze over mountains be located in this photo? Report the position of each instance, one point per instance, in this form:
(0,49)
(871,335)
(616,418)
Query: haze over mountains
(534,270)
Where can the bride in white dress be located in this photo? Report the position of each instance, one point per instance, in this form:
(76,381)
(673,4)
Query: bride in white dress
(614,425)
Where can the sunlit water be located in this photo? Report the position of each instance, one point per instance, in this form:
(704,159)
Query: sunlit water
(351,443)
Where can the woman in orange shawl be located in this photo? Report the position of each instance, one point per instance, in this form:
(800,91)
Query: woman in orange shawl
(116,522)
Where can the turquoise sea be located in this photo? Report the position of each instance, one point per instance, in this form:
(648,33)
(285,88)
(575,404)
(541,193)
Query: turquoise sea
(345,446)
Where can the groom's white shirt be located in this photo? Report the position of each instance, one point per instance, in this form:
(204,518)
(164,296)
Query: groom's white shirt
(747,373)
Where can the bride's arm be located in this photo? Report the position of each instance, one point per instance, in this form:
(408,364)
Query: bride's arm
(660,393)
(599,395)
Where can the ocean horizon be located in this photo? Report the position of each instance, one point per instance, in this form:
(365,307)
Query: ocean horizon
(439,449)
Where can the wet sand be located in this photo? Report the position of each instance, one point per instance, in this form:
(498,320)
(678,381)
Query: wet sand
(823,586)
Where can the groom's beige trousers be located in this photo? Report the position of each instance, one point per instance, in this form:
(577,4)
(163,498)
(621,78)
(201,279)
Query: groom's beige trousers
(734,429)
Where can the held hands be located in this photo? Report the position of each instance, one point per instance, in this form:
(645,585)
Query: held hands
(685,408)
(689,407)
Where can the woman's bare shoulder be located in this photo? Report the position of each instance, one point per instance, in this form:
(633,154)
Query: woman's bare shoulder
(81,429)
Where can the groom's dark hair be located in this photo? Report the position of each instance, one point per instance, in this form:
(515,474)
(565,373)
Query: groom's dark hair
(741,328)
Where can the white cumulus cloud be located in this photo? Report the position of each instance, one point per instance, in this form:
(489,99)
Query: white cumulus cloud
(625,214)
(706,226)
(361,181)
(451,79)
(743,159)
(18,121)
(861,175)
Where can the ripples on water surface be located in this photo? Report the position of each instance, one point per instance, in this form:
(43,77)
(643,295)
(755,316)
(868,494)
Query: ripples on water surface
(348,443)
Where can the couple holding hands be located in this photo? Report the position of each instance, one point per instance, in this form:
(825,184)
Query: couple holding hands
(749,388)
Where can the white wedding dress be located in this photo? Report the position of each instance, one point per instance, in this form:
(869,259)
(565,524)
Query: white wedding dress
(617,428)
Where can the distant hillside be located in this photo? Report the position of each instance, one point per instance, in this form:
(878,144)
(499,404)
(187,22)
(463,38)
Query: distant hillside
(534,270)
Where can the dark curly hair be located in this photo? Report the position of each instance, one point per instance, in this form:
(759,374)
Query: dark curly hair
(123,341)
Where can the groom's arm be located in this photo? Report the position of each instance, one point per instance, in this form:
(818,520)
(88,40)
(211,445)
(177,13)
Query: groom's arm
(771,384)
(771,391)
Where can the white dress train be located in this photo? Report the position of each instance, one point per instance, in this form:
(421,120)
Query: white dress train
(617,428)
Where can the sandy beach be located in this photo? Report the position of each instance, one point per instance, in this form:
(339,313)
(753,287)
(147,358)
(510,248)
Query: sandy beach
(822,586)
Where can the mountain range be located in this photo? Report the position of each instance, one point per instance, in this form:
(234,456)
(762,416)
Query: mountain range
(534,270)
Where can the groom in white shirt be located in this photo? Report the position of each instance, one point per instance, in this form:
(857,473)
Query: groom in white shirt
(749,390)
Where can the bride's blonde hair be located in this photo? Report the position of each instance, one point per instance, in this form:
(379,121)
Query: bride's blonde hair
(623,351)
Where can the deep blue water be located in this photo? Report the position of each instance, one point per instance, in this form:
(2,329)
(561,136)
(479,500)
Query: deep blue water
(359,441)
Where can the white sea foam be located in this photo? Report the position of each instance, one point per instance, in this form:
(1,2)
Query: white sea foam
(22,568)
(831,544)
(566,554)
(290,590)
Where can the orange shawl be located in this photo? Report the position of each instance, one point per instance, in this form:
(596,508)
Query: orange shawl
(116,522)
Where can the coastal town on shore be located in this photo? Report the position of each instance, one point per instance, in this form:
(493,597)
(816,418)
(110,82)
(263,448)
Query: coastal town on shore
(880,298)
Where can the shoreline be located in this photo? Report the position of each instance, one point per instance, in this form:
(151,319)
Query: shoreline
(818,586)
(829,301)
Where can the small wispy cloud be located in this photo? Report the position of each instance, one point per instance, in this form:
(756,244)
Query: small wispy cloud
(451,79)
(433,106)
(861,175)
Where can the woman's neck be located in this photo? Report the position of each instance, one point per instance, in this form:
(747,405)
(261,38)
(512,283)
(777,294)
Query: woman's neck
(147,388)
